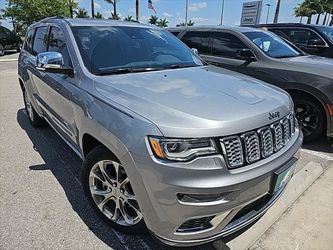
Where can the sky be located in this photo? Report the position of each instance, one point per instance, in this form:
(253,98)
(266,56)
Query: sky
(202,12)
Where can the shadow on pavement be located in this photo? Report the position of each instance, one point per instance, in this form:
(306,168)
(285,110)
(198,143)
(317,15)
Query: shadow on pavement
(321,145)
(65,166)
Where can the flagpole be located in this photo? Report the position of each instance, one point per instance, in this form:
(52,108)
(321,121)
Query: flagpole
(186,11)
(222,12)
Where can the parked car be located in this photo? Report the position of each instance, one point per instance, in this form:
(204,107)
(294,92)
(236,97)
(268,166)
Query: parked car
(9,41)
(265,56)
(167,142)
(313,39)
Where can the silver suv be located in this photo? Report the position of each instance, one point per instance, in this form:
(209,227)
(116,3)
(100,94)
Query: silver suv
(189,151)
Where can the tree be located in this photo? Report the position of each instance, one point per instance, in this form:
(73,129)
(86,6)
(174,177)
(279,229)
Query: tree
(128,18)
(190,23)
(153,20)
(328,9)
(315,7)
(300,11)
(82,13)
(23,13)
(163,23)
(98,15)
(114,14)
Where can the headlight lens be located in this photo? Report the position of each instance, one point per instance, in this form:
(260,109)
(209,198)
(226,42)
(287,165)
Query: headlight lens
(181,149)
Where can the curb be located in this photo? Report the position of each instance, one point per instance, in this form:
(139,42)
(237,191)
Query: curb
(297,185)
(8,60)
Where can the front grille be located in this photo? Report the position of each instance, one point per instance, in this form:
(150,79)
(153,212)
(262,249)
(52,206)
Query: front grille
(252,146)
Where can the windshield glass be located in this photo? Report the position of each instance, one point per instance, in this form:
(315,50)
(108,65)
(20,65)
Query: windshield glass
(272,45)
(328,31)
(122,49)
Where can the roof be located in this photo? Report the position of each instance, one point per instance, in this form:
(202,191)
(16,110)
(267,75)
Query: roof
(288,24)
(93,22)
(212,27)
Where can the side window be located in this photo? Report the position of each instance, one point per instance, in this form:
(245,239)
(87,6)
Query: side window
(28,40)
(199,40)
(227,45)
(175,33)
(57,43)
(303,37)
(281,32)
(40,41)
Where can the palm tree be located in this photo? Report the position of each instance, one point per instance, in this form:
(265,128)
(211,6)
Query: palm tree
(98,15)
(328,9)
(300,11)
(128,18)
(190,23)
(72,5)
(114,15)
(315,7)
(277,11)
(163,23)
(153,20)
(81,13)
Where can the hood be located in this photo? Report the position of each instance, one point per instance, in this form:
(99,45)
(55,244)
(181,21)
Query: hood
(198,101)
(311,64)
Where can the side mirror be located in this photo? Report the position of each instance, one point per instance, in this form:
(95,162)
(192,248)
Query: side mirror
(246,55)
(52,62)
(195,51)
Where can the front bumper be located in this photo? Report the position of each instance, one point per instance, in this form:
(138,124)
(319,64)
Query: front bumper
(230,198)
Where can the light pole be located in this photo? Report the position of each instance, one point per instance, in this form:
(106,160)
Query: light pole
(268,8)
(186,10)
(222,12)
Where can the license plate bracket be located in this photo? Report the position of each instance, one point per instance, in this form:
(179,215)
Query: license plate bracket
(281,178)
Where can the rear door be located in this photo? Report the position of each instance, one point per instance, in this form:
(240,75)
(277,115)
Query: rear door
(200,40)
(225,53)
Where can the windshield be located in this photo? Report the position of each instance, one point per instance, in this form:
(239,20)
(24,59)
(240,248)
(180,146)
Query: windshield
(122,49)
(328,31)
(272,45)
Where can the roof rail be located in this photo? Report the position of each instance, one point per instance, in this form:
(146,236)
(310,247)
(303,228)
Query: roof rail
(51,18)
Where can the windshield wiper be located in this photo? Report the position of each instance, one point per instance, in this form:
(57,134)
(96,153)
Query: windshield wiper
(180,65)
(116,71)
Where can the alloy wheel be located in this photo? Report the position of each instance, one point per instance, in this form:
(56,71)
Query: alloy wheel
(111,191)
(307,117)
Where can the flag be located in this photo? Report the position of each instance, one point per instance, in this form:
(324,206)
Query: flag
(150,6)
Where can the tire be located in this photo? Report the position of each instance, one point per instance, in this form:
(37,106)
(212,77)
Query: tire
(107,195)
(35,120)
(2,50)
(311,117)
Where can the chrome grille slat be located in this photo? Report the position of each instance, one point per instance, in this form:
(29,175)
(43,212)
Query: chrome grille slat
(232,147)
(266,138)
(252,146)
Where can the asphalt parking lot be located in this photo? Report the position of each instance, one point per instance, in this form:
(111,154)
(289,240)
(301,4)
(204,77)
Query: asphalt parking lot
(42,204)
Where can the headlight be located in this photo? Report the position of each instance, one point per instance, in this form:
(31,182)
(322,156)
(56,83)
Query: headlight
(181,149)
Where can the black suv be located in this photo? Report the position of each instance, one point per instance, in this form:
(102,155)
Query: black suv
(9,41)
(313,39)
